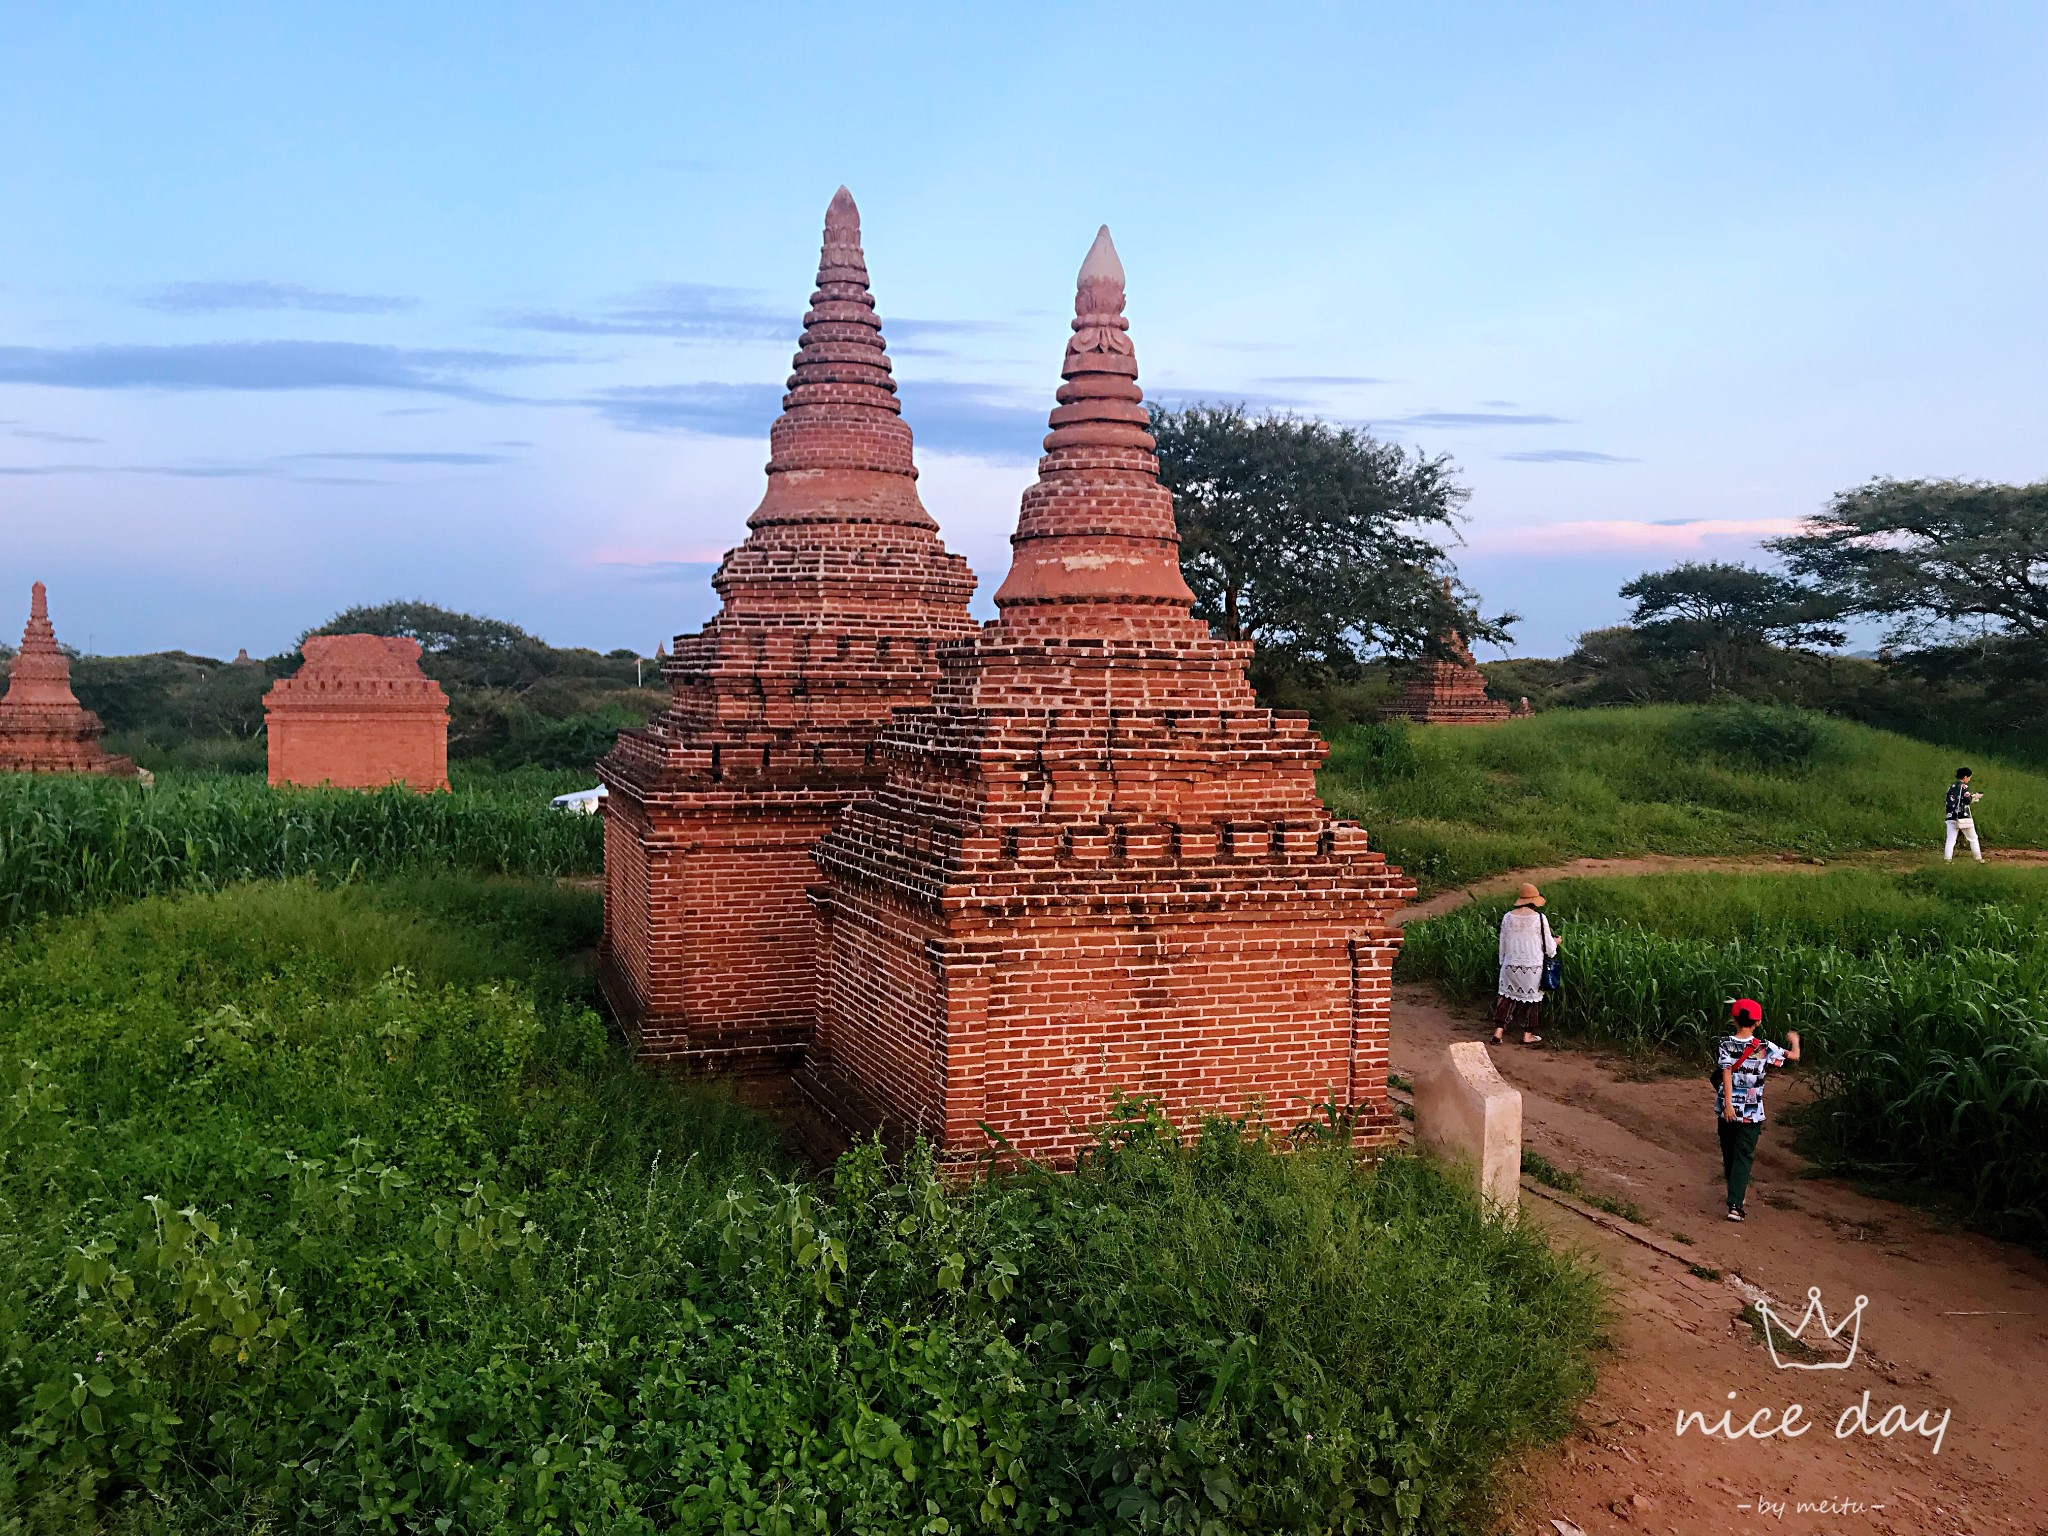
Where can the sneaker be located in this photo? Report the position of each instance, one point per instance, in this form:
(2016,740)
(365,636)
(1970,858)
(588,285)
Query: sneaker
(1735,1213)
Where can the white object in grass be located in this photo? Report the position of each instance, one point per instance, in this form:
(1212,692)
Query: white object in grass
(584,802)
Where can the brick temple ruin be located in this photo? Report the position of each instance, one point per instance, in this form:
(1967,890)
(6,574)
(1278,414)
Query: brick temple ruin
(1449,689)
(360,714)
(43,727)
(1097,866)
(832,612)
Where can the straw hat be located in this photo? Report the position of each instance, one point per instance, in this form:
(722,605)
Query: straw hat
(1530,897)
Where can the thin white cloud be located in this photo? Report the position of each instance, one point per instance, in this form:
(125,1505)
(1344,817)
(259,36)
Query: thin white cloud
(1625,534)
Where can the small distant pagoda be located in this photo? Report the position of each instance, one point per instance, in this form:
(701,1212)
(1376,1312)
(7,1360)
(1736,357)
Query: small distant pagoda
(43,727)
(1449,689)
(360,714)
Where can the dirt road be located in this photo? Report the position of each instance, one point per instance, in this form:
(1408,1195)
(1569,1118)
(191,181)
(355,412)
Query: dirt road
(1955,1325)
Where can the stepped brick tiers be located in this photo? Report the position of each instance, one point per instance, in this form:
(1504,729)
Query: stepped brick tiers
(1097,866)
(43,727)
(1449,689)
(358,715)
(832,611)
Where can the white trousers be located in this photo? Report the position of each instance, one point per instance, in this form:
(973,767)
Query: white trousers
(1968,827)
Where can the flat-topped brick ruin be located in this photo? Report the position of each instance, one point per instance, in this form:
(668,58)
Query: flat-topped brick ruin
(360,714)
(1096,865)
(43,727)
(832,611)
(1449,689)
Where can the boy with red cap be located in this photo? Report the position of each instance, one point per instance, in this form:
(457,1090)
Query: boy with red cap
(1739,1067)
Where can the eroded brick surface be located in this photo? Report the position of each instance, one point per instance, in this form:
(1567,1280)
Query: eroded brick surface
(43,727)
(358,715)
(832,611)
(1096,866)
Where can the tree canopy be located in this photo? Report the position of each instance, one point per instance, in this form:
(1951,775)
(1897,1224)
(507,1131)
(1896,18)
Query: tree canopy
(1935,557)
(1726,618)
(458,648)
(1314,541)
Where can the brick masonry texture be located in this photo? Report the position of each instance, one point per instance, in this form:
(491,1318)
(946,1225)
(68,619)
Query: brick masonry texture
(43,727)
(1449,689)
(833,611)
(358,715)
(1094,865)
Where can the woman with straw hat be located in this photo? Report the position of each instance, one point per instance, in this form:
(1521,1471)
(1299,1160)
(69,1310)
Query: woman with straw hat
(1526,942)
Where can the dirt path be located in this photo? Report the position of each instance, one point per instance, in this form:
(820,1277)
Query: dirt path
(1954,1324)
(1668,863)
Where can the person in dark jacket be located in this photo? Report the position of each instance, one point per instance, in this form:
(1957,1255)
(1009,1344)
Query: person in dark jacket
(1961,817)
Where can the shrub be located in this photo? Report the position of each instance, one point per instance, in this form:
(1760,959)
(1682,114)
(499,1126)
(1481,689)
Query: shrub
(1766,736)
(325,1208)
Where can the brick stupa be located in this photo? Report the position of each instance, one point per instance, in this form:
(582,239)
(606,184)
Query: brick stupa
(1098,866)
(832,609)
(358,715)
(1449,689)
(43,727)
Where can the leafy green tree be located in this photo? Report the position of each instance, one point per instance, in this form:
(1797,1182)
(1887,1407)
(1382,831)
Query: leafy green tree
(1319,544)
(458,648)
(1727,620)
(1940,559)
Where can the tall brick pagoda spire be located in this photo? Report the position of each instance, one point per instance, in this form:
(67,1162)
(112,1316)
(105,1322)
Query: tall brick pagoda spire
(43,727)
(832,610)
(1097,865)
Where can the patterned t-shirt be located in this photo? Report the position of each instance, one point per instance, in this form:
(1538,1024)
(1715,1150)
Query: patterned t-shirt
(1958,805)
(1749,1079)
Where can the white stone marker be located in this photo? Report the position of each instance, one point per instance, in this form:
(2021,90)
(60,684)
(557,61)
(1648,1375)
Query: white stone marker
(1466,1113)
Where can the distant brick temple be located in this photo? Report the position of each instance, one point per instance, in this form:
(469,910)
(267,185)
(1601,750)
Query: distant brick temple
(43,727)
(833,608)
(1449,689)
(1097,866)
(358,715)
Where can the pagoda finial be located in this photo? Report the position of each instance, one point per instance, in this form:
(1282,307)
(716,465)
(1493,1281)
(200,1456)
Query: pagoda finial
(1097,529)
(40,673)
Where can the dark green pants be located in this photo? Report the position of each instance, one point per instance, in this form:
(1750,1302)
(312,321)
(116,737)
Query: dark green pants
(1738,1151)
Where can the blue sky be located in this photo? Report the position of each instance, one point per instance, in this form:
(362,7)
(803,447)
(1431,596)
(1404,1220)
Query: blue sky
(490,304)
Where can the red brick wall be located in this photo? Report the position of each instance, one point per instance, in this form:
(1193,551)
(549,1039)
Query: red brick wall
(359,750)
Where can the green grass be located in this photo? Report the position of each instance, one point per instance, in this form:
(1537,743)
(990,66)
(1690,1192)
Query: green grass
(1452,804)
(1921,997)
(71,842)
(331,1208)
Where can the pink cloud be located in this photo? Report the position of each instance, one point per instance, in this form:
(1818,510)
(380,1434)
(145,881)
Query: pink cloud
(1621,534)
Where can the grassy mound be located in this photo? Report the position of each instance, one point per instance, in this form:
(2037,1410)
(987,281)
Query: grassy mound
(1451,804)
(334,1207)
(70,842)
(1922,998)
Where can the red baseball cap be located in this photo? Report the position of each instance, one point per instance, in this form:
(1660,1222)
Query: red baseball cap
(1747,1008)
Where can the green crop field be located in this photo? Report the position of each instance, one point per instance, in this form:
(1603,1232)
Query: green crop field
(1922,997)
(1451,804)
(68,843)
(335,1207)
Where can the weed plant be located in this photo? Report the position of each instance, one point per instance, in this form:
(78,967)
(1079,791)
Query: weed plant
(330,1209)
(1921,997)
(1452,804)
(71,842)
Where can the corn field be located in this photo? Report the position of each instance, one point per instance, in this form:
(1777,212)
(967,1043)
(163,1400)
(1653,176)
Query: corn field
(1929,1050)
(68,843)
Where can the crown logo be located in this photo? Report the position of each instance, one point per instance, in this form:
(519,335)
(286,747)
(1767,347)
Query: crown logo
(1851,1322)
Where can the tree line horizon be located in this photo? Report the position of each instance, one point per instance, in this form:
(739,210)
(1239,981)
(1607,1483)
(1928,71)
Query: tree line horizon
(1330,550)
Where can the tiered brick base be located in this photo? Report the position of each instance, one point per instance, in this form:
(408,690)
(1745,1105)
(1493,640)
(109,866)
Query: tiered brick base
(43,727)
(358,715)
(1097,867)
(1449,693)
(831,611)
